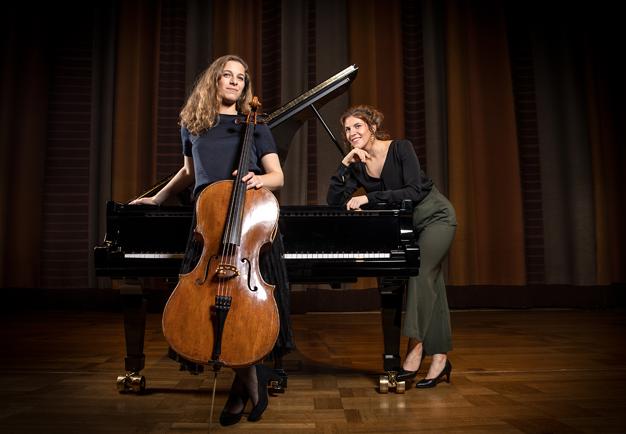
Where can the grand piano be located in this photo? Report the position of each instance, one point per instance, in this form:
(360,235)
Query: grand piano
(322,244)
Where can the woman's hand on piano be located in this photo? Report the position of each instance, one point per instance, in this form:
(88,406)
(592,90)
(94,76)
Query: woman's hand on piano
(144,201)
(356,202)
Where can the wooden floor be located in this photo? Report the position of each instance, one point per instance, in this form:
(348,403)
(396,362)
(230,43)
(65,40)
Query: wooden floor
(514,372)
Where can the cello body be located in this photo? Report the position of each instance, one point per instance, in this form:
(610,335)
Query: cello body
(250,328)
(222,312)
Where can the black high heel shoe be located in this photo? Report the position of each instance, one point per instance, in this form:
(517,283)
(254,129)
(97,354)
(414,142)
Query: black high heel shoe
(237,392)
(426,383)
(263,376)
(404,375)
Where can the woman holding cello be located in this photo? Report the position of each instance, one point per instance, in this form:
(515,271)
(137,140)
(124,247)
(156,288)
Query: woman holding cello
(221,307)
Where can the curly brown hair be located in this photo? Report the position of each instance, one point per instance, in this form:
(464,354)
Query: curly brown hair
(201,110)
(368,114)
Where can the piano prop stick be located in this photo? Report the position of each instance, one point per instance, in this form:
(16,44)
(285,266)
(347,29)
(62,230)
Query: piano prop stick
(223,313)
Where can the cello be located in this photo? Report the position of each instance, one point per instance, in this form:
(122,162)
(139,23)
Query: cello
(223,313)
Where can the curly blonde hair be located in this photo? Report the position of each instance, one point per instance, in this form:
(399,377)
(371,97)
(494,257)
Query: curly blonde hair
(368,114)
(201,110)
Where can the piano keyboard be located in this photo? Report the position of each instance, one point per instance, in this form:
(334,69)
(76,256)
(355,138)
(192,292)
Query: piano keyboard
(321,244)
(344,255)
(302,255)
(153,255)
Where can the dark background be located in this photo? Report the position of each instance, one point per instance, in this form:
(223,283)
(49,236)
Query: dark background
(516,110)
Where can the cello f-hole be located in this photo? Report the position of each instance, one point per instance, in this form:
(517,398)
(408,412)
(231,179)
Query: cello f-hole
(246,261)
(206,271)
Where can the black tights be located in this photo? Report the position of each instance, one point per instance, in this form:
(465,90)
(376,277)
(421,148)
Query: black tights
(245,386)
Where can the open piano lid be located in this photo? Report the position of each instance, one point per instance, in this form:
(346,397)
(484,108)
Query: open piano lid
(285,121)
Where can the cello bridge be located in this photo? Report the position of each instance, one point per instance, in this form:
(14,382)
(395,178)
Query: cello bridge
(226,271)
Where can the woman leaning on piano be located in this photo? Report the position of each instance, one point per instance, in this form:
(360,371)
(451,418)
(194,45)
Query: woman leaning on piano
(211,143)
(389,171)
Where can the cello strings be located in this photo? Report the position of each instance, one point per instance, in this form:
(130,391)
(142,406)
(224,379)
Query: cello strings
(238,199)
(240,196)
(226,247)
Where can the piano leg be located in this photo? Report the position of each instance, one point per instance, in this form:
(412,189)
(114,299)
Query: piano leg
(134,309)
(391,300)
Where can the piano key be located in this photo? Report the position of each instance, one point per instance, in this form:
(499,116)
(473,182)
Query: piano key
(345,255)
(153,255)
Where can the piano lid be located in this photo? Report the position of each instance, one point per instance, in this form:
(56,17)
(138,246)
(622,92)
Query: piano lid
(285,121)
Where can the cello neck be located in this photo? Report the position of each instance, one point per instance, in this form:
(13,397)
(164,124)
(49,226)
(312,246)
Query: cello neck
(232,229)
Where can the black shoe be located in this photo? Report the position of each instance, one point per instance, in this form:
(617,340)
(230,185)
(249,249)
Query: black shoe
(404,375)
(227,418)
(426,383)
(263,376)
(237,392)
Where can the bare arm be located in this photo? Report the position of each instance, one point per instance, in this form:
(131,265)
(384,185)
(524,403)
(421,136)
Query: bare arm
(273,177)
(183,178)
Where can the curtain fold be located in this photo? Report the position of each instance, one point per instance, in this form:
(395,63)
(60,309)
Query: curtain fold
(332,57)
(605,94)
(134,157)
(103,85)
(484,178)
(237,30)
(377,49)
(294,83)
(567,188)
(435,93)
(24,81)
(198,40)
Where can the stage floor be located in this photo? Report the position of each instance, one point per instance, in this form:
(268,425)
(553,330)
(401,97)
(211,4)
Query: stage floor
(531,371)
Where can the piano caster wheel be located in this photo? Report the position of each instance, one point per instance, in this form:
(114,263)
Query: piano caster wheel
(131,382)
(383,384)
(278,386)
(400,386)
(275,387)
(388,381)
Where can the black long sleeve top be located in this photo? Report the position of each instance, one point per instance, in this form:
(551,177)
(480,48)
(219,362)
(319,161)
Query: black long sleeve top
(401,178)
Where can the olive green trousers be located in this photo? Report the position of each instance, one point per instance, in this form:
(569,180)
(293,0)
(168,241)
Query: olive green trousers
(427,316)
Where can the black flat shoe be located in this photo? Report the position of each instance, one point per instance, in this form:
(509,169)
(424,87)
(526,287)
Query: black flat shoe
(404,375)
(227,418)
(263,376)
(426,383)
(237,392)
